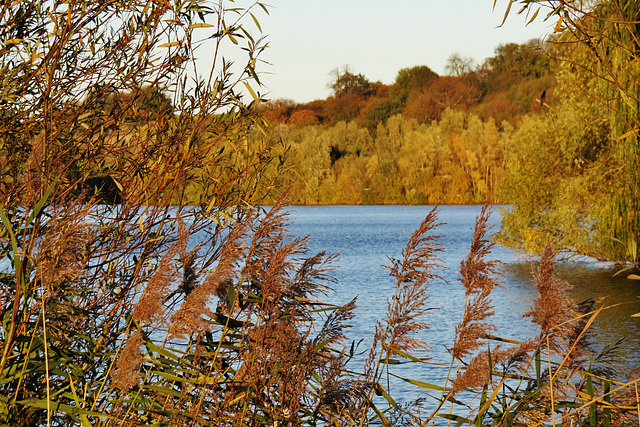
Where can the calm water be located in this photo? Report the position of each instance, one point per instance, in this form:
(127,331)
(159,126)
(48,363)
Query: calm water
(365,236)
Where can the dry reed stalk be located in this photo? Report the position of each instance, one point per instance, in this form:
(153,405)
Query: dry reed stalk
(61,255)
(553,310)
(267,237)
(312,276)
(397,333)
(336,396)
(637,401)
(477,372)
(127,373)
(277,362)
(32,177)
(479,277)
(336,323)
(150,307)
(413,274)
(188,319)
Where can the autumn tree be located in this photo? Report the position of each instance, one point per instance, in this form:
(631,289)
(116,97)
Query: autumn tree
(303,118)
(445,92)
(410,82)
(598,49)
(408,85)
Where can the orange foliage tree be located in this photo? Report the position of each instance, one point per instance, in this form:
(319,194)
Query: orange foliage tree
(444,92)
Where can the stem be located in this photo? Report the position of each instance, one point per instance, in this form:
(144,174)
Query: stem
(553,414)
(46,359)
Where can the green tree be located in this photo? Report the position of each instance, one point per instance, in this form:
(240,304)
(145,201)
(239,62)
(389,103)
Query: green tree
(410,82)
(344,82)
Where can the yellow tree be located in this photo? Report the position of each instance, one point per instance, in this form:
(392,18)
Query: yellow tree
(598,46)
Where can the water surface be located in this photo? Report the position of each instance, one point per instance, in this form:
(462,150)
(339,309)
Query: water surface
(365,236)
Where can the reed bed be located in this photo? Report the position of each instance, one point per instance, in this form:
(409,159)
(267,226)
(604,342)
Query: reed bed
(113,317)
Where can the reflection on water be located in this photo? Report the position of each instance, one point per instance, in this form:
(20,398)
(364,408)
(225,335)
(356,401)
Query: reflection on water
(365,236)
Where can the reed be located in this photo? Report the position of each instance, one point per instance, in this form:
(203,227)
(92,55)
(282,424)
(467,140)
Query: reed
(147,322)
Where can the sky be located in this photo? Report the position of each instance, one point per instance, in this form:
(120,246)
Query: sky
(309,38)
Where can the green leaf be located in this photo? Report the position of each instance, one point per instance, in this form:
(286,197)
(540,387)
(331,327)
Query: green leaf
(408,356)
(485,407)
(321,345)
(162,351)
(165,390)
(380,415)
(422,384)
(61,407)
(380,391)
(168,376)
(231,298)
(593,408)
(457,418)
(37,209)
(14,243)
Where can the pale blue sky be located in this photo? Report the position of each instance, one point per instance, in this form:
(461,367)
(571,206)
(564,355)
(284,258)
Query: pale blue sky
(309,38)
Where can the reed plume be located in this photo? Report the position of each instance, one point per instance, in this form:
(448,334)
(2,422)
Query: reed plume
(127,373)
(189,317)
(413,275)
(397,333)
(553,310)
(479,276)
(61,255)
(478,372)
(150,307)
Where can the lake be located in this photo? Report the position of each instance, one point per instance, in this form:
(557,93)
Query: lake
(365,236)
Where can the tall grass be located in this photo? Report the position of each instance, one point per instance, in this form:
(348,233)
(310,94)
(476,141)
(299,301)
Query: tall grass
(226,326)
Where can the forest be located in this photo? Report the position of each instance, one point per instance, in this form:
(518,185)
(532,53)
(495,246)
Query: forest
(147,272)
(425,139)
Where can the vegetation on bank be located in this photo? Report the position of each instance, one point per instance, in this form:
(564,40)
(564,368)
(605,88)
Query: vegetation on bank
(425,139)
(143,284)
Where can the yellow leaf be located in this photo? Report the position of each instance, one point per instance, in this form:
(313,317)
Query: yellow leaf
(200,25)
(13,41)
(170,44)
(117,184)
(558,25)
(631,132)
(255,21)
(506,14)
(253,94)
(533,18)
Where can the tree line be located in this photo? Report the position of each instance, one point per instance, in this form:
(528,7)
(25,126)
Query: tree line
(425,139)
